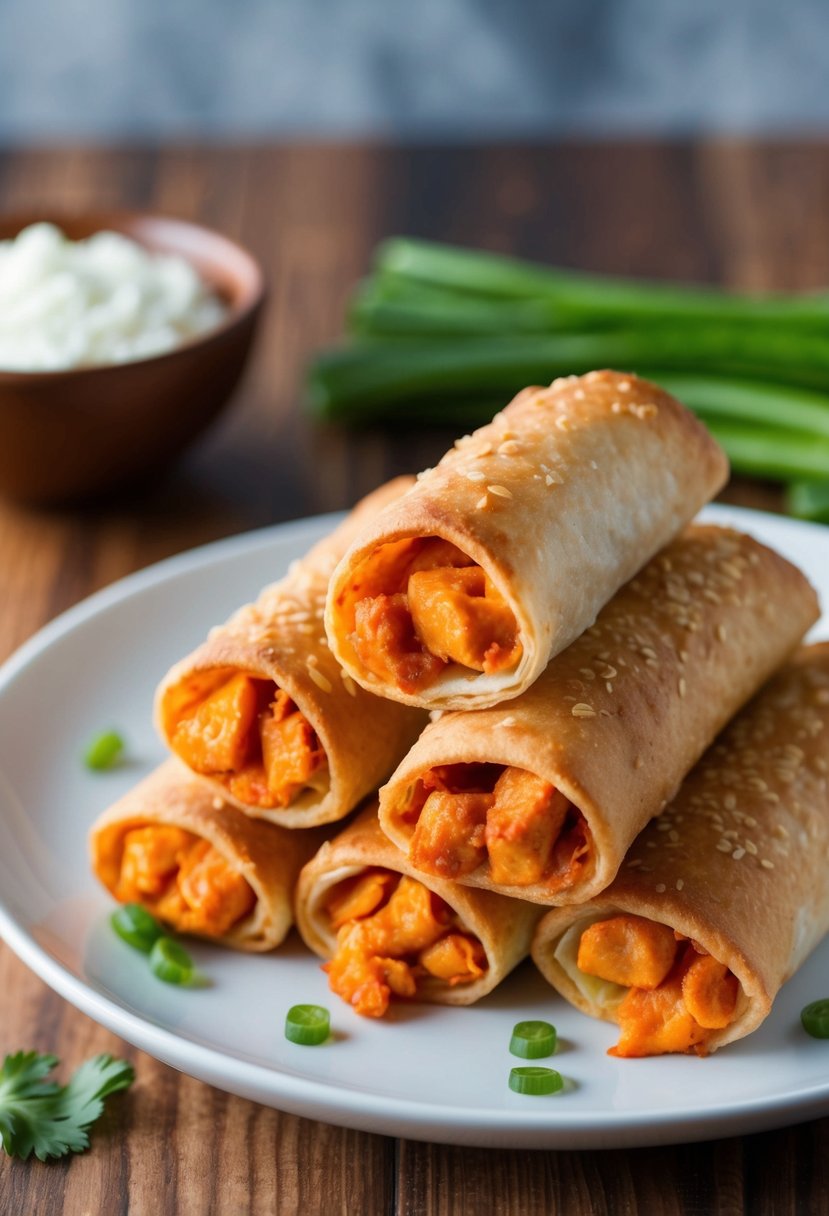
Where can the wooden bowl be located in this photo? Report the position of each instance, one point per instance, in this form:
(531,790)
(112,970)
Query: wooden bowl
(76,434)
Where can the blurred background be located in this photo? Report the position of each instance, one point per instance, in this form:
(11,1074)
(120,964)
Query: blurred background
(436,69)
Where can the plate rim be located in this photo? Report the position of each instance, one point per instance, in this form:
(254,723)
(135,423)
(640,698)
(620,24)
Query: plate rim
(329,1101)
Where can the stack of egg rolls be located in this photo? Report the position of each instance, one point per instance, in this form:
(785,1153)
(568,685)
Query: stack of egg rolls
(579,646)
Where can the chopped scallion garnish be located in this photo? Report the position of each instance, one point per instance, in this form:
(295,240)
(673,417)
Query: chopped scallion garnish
(104,751)
(535,1080)
(170,962)
(137,926)
(815,1019)
(308,1025)
(532,1040)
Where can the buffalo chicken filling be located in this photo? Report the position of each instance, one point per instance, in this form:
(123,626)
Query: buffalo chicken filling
(250,736)
(393,933)
(677,993)
(424,604)
(468,815)
(182,879)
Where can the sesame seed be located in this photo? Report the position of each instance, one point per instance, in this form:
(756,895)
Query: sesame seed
(509,447)
(724,846)
(637,861)
(609,686)
(766,864)
(485,450)
(721,633)
(320,680)
(312,660)
(500,491)
(623,386)
(660,887)
(474,475)
(508,721)
(582,710)
(638,762)
(218,803)
(609,673)
(616,407)
(738,854)
(682,687)
(549,480)
(751,848)
(680,883)
(351,687)
(481,503)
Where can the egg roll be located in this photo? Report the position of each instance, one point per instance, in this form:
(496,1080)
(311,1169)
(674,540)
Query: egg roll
(175,846)
(263,710)
(540,799)
(721,898)
(389,932)
(458,595)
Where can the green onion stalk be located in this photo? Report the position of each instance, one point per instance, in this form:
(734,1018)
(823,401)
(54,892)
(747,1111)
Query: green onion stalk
(445,336)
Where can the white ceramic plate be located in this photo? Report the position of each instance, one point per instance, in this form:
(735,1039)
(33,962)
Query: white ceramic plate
(424,1072)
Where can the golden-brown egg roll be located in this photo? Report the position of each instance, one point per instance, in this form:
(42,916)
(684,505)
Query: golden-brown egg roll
(264,711)
(175,846)
(389,932)
(540,799)
(722,897)
(457,595)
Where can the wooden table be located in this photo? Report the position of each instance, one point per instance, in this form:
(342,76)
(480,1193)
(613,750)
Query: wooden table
(750,215)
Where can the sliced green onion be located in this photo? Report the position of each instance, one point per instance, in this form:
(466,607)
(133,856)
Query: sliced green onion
(170,962)
(309,1025)
(137,926)
(815,1019)
(532,1040)
(104,751)
(535,1080)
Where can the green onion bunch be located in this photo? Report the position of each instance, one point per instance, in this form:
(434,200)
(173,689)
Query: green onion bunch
(445,336)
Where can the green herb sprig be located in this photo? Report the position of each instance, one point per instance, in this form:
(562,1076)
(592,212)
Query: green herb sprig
(50,1120)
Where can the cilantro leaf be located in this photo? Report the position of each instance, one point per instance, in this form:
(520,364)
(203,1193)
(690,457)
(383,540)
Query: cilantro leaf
(48,1119)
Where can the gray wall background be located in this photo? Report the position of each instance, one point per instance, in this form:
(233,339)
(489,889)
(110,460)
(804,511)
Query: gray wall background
(410,68)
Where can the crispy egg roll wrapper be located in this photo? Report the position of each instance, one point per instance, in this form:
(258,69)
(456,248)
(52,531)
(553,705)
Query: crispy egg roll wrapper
(281,638)
(504,927)
(560,499)
(620,717)
(268,857)
(737,861)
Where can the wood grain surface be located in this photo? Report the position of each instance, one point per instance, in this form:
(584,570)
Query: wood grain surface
(750,215)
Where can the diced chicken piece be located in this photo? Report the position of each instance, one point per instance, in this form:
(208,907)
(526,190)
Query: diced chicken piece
(359,896)
(183,879)
(291,751)
(215,895)
(710,992)
(456,958)
(522,826)
(656,1021)
(628,950)
(216,737)
(150,858)
(376,956)
(449,839)
(459,616)
(386,642)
